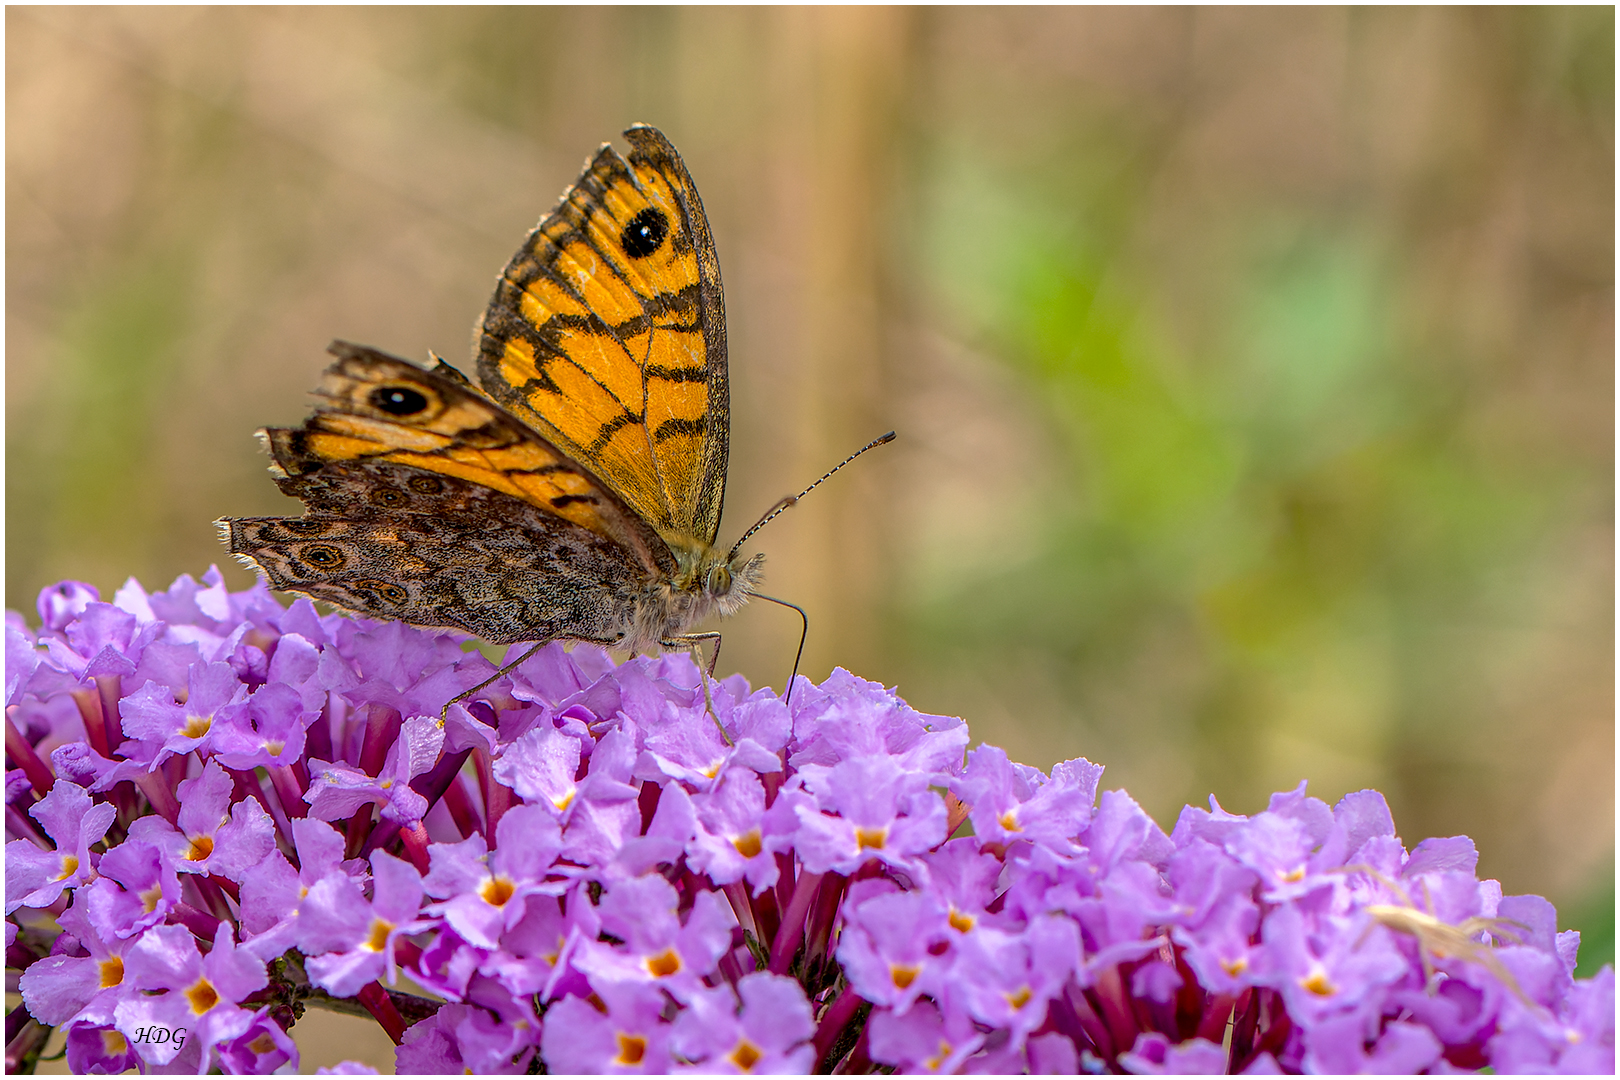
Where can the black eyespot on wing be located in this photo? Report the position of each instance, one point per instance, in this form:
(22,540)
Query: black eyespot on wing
(645,234)
(377,590)
(304,526)
(321,556)
(425,485)
(399,400)
(388,497)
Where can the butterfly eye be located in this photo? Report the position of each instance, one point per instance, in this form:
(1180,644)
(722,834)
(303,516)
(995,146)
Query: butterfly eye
(322,556)
(719,581)
(645,233)
(399,400)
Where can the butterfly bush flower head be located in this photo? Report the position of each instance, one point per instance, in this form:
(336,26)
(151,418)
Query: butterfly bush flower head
(221,811)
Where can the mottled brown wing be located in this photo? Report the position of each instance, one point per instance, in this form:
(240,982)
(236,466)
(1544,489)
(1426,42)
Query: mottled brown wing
(379,410)
(395,542)
(607,334)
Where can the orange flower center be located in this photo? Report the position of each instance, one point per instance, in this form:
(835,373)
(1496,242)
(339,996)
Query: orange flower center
(497,891)
(746,1056)
(632,1048)
(377,940)
(1317,983)
(202,996)
(664,964)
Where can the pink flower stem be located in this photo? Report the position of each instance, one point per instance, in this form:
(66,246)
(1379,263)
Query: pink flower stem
(382,730)
(823,916)
(288,791)
(1245,1019)
(833,1022)
(358,831)
(791,931)
(89,703)
(858,1062)
(1212,1025)
(21,752)
(201,923)
(742,906)
(19,827)
(377,1002)
(159,795)
(109,687)
(1116,1010)
(1090,1022)
(416,844)
(459,803)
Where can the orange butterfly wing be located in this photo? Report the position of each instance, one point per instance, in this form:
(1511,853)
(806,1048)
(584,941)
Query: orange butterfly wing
(607,335)
(385,410)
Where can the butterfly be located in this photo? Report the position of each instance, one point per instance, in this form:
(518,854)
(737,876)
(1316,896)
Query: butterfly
(577,494)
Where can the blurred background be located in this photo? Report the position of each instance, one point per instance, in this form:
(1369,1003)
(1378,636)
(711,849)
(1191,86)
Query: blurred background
(1253,370)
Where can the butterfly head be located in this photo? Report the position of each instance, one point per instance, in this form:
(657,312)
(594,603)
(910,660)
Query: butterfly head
(717,581)
(729,584)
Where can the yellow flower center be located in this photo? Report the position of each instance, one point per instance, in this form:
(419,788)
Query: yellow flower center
(903,976)
(1009,821)
(1317,983)
(201,848)
(664,964)
(70,866)
(497,891)
(871,838)
(1235,966)
(197,726)
(377,939)
(202,996)
(746,1056)
(960,921)
(632,1048)
(112,971)
(748,844)
(1019,999)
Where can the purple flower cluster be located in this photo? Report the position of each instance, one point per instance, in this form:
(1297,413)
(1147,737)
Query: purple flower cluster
(221,811)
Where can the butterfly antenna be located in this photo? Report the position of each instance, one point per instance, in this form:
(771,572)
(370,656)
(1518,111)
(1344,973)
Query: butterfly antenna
(783,504)
(804,621)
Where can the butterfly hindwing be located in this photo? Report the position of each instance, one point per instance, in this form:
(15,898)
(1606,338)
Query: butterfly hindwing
(607,334)
(440,551)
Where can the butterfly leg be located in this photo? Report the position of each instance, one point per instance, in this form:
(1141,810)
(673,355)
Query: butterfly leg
(444,713)
(694,642)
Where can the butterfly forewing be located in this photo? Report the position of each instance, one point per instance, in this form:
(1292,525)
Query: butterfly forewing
(607,334)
